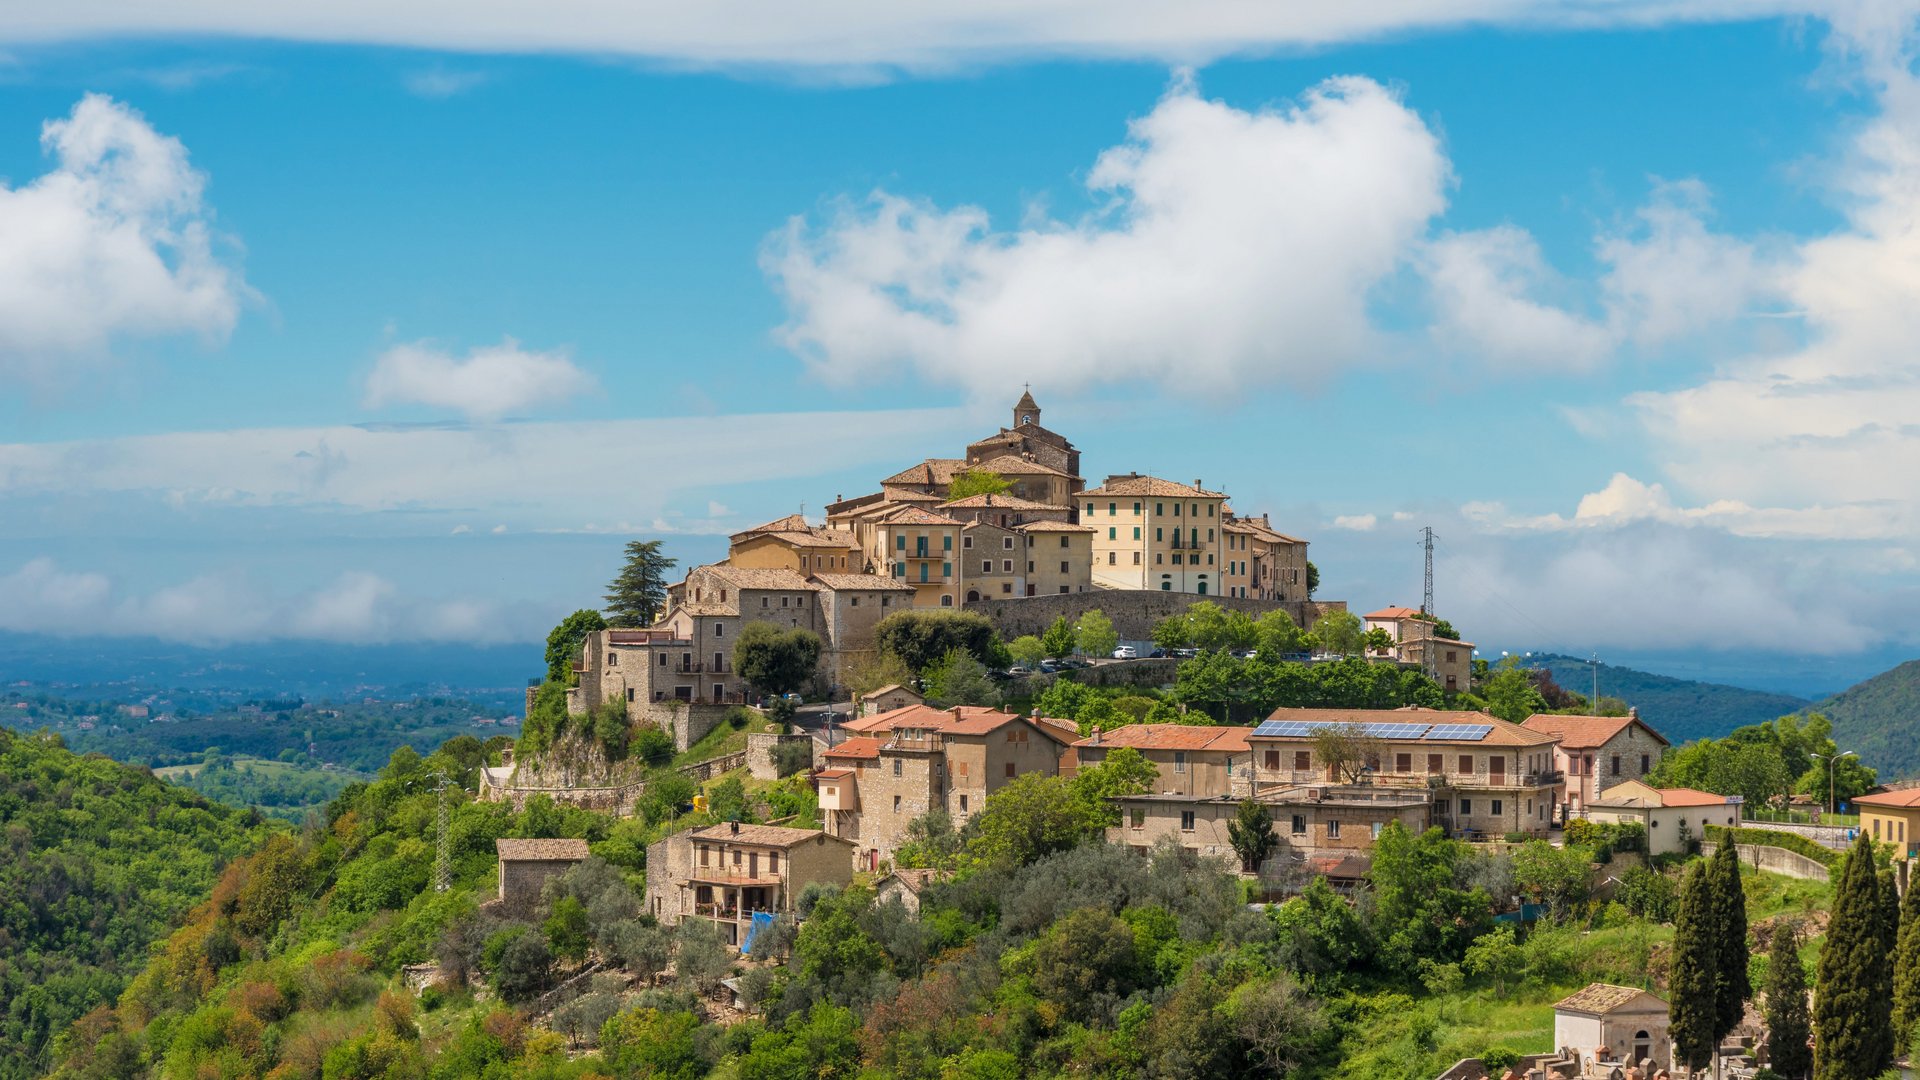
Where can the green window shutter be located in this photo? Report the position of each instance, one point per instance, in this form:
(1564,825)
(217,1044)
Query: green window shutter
(1113,533)
(900,541)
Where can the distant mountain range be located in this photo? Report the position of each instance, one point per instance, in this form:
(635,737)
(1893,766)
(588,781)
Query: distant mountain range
(1880,720)
(1680,709)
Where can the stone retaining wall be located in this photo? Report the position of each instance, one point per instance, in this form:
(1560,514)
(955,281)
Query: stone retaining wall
(1776,860)
(761,762)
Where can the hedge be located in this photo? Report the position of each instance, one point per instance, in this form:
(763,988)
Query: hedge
(1793,842)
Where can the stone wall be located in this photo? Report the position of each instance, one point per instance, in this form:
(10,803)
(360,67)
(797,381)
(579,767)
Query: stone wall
(1134,612)
(761,762)
(688,722)
(1777,860)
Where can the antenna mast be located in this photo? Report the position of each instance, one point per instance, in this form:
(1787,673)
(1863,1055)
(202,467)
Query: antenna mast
(442,848)
(1426,597)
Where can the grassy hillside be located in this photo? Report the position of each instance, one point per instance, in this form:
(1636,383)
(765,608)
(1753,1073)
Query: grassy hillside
(1880,718)
(97,861)
(1680,709)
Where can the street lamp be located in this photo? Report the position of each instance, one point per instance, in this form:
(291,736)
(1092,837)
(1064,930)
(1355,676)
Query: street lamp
(1832,802)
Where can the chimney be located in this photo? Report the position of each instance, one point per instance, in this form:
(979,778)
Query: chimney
(1198,484)
(1633,711)
(736,827)
(1096,735)
(955,710)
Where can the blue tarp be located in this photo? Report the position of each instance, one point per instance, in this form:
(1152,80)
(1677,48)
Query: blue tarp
(1527,913)
(761,921)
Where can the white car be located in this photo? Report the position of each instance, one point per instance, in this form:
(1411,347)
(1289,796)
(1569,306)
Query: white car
(1125,652)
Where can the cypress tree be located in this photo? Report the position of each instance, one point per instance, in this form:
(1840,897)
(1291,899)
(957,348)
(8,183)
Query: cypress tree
(1906,970)
(1787,1018)
(1732,984)
(1853,1003)
(1693,980)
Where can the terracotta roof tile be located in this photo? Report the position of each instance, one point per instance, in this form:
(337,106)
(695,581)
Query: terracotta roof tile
(1009,465)
(540,850)
(759,577)
(1051,526)
(930,471)
(1585,732)
(1151,485)
(1600,998)
(999,502)
(1393,613)
(856,749)
(858,582)
(1227,739)
(1680,796)
(913,515)
(1904,797)
(765,835)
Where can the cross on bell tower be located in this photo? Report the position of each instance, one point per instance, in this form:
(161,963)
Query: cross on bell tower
(1026,411)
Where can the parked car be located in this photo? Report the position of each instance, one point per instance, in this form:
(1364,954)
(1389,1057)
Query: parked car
(1247,654)
(1186,654)
(1126,652)
(1048,667)
(1018,670)
(1157,654)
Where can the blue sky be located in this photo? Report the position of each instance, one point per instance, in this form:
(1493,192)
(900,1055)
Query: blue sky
(388,332)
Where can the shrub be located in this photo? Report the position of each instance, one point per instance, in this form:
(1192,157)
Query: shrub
(1793,842)
(1498,1059)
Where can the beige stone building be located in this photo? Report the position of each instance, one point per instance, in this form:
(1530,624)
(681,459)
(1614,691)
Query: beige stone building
(1261,563)
(1059,557)
(993,562)
(898,765)
(1192,759)
(1028,440)
(1609,1028)
(727,873)
(1341,821)
(1150,533)
(1668,814)
(887,698)
(1446,661)
(792,544)
(1597,752)
(1484,775)
(525,866)
(1003,510)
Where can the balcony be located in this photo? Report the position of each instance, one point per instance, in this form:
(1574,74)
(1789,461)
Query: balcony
(735,876)
(699,667)
(729,912)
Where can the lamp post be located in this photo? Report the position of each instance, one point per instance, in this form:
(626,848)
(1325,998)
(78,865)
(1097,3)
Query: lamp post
(1833,803)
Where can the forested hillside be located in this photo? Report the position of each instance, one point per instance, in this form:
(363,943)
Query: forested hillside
(1680,709)
(97,861)
(1880,718)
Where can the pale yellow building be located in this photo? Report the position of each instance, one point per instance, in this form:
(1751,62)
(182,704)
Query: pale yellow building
(1059,557)
(1150,533)
(1261,563)
(791,544)
(1892,817)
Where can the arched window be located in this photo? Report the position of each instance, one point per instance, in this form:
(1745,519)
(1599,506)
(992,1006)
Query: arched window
(973,595)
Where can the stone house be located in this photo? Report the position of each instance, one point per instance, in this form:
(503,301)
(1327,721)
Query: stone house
(727,873)
(790,543)
(993,562)
(906,887)
(1310,822)
(1193,760)
(1663,811)
(1029,441)
(1003,510)
(525,866)
(1150,533)
(1892,817)
(1617,1025)
(1261,564)
(1059,557)
(888,698)
(1483,775)
(1597,752)
(898,765)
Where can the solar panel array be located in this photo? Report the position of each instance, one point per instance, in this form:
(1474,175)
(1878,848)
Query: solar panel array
(1298,729)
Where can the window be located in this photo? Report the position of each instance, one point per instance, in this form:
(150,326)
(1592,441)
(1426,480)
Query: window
(1403,763)
(853,601)
(1006,587)
(1063,541)
(773,862)
(966,541)
(986,566)
(1176,558)
(896,800)
(1333,830)
(1646,764)
(1159,535)
(1136,532)
(629,693)
(963,803)
(1186,821)
(1466,807)
(1209,514)
(1009,770)
(1616,765)
(1006,543)
(1176,509)
(1179,762)
(1136,509)
(1112,509)
(1272,759)
(1089,509)
(1063,566)
(1376,830)
(946,542)
(1113,557)
(1496,808)
(719,630)
(1466,764)
(1302,760)
(703,854)
(900,541)
(1113,533)
(1006,566)
(1433,764)
(663,659)
(1159,508)
(896,766)
(946,569)
(1139,817)
(1299,825)
(1136,558)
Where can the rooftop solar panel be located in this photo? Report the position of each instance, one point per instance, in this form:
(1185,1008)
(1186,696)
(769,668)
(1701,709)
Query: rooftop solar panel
(1467,732)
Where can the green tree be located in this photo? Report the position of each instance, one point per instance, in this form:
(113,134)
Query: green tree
(566,928)
(921,638)
(1511,695)
(1032,816)
(1347,750)
(1313,580)
(1340,633)
(1729,896)
(647,1044)
(1277,635)
(563,644)
(1320,935)
(1095,634)
(1497,958)
(636,595)
(1058,639)
(1083,959)
(1444,629)
(960,680)
(1173,632)
(1788,1024)
(1418,912)
(1214,628)
(1906,970)
(776,661)
(1026,649)
(1252,836)
(1853,999)
(1377,641)
(1693,977)
(1554,876)
(1125,771)
(971,482)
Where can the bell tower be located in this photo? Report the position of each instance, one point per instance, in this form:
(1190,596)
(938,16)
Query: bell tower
(1025,412)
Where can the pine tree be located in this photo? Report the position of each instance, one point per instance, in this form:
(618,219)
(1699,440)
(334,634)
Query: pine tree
(1693,980)
(637,595)
(1853,1003)
(1787,1018)
(1733,986)
(1906,970)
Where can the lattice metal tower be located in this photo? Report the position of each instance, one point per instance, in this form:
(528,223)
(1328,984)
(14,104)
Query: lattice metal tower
(1426,596)
(442,847)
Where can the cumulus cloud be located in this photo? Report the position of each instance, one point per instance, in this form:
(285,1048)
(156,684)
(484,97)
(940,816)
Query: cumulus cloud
(115,241)
(487,384)
(1356,522)
(1626,501)
(1485,285)
(864,34)
(1232,245)
(217,608)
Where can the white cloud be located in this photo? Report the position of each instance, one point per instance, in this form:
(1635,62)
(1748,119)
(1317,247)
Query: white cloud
(487,384)
(442,82)
(521,475)
(114,242)
(933,34)
(1356,522)
(356,607)
(1233,245)
(1625,501)
(1485,285)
